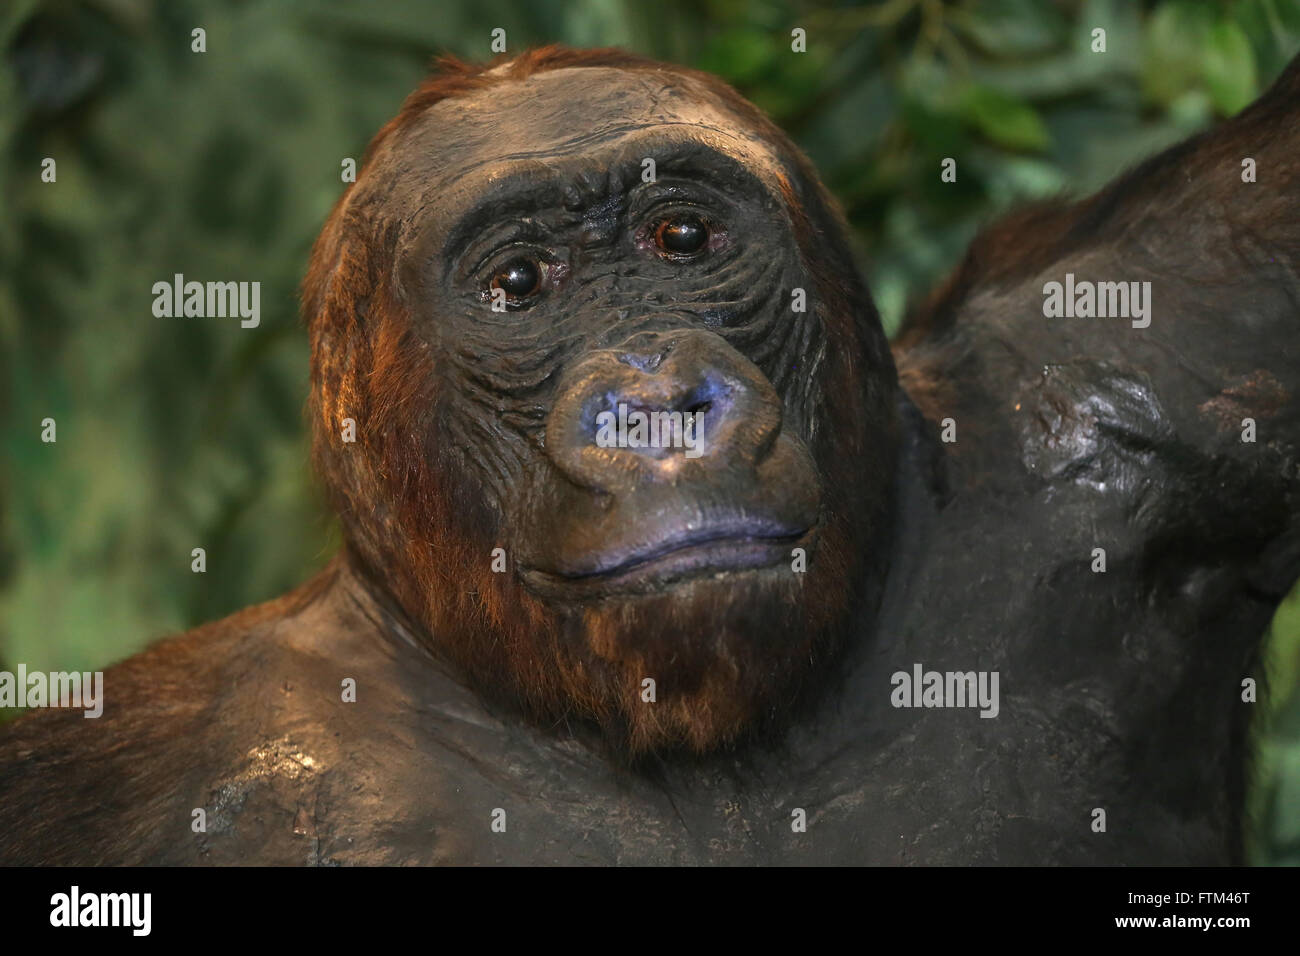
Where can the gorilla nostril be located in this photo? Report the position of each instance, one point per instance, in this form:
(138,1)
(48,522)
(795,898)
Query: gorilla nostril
(712,394)
(643,411)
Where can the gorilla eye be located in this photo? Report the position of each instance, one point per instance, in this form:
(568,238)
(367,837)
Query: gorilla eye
(683,235)
(519,278)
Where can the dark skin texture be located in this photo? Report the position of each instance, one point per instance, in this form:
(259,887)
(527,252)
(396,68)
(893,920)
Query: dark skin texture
(521,690)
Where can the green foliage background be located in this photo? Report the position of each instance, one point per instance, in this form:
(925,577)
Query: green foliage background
(222,165)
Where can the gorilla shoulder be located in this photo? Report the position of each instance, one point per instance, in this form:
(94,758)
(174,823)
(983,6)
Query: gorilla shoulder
(235,719)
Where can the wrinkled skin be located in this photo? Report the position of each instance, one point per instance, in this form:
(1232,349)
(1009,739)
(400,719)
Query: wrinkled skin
(521,690)
(624,564)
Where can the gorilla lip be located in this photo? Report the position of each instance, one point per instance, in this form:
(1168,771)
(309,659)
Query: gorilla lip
(705,546)
(707,550)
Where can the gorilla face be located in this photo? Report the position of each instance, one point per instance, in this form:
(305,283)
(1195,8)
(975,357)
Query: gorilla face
(526,271)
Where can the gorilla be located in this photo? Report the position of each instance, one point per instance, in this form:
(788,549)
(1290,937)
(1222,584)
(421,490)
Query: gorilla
(988,596)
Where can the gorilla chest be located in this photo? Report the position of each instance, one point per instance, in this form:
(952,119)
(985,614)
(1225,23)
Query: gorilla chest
(515,805)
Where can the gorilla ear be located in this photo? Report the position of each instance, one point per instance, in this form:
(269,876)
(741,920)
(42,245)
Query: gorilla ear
(326,298)
(321,266)
(341,283)
(341,274)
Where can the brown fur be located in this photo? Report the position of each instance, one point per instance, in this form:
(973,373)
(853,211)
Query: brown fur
(728,659)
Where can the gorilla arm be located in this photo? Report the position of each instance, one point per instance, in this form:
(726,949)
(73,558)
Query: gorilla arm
(243,719)
(1186,401)
(1130,484)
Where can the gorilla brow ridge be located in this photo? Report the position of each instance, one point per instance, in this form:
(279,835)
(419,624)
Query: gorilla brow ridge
(515,186)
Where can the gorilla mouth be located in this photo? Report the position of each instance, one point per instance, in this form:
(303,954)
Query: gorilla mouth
(701,549)
(717,548)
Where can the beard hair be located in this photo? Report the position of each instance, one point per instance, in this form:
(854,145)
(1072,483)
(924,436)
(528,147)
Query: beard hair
(731,657)
(734,657)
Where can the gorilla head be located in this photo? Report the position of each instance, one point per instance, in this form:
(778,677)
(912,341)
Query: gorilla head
(507,279)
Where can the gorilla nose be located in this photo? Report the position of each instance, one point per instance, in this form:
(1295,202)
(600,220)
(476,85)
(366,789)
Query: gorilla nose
(658,405)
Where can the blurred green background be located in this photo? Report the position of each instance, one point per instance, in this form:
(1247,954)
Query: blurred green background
(223,165)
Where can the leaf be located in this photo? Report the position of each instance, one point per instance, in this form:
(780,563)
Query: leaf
(1003,119)
(1229,68)
(1012,28)
(741,55)
(1288,13)
(1173,46)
